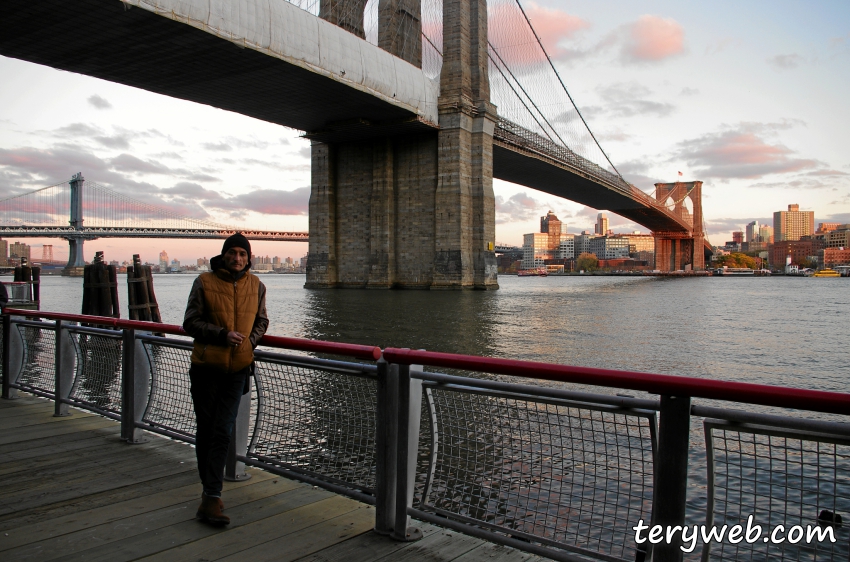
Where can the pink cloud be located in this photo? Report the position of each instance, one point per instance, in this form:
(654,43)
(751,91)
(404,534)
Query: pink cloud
(554,26)
(652,39)
(741,153)
(515,41)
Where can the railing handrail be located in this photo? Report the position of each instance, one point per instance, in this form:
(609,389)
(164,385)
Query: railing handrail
(672,385)
(369,352)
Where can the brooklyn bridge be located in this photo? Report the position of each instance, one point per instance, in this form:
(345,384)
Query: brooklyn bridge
(412,107)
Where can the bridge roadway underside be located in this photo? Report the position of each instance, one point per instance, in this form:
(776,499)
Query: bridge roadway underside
(524,168)
(139,48)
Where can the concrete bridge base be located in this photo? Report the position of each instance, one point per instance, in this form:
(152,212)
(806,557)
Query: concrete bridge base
(414,211)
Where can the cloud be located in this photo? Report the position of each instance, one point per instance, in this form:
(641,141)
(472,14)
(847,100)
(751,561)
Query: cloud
(741,152)
(266,201)
(652,39)
(518,207)
(554,27)
(129,163)
(629,100)
(637,173)
(785,62)
(99,102)
(305,152)
(721,45)
(688,91)
(217,146)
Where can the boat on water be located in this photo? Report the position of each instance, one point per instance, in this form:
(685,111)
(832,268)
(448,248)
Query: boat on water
(827,272)
(723,271)
(538,272)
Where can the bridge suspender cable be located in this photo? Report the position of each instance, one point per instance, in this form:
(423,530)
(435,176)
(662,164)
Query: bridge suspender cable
(539,42)
(526,95)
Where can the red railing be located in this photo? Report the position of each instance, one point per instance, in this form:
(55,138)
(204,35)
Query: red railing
(347,349)
(671,385)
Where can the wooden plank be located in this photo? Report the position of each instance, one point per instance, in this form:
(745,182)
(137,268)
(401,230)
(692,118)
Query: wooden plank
(38,418)
(285,514)
(16,446)
(312,538)
(15,410)
(79,520)
(114,477)
(22,399)
(366,547)
(115,457)
(489,552)
(137,489)
(76,461)
(440,546)
(70,425)
(57,449)
(153,531)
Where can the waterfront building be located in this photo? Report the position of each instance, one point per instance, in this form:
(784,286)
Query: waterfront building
(4,252)
(738,237)
(163,261)
(601,227)
(833,257)
(540,246)
(609,247)
(838,237)
(535,250)
(567,247)
(752,232)
(793,224)
(766,234)
(828,226)
(582,243)
(799,250)
(18,250)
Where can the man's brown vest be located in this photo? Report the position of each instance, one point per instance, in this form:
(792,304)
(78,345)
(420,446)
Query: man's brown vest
(233,306)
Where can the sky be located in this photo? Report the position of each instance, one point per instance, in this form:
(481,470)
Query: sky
(749,97)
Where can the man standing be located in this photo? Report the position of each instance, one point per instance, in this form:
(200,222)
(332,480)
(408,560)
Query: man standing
(226,315)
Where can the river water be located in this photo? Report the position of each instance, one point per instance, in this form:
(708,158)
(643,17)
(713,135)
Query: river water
(772,330)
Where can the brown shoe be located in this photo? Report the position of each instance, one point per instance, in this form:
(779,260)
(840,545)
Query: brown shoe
(210,511)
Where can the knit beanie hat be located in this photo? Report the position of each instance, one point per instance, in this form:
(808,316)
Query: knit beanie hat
(236,241)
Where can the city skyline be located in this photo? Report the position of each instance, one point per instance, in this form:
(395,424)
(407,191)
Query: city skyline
(753,111)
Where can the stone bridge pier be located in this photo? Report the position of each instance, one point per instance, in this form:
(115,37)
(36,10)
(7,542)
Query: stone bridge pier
(676,251)
(410,210)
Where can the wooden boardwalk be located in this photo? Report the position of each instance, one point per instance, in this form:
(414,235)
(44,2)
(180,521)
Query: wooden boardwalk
(70,489)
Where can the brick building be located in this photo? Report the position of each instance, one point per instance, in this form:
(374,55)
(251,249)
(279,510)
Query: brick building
(799,250)
(793,224)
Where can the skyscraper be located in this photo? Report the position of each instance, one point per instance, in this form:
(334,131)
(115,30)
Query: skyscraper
(601,224)
(793,224)
(753,232)
(163,261)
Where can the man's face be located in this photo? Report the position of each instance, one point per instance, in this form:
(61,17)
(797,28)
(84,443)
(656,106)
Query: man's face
(235,259)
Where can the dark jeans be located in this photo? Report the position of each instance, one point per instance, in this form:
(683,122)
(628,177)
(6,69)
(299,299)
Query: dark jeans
(216,397)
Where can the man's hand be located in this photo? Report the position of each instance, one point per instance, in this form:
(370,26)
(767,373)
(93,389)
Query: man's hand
(234,339)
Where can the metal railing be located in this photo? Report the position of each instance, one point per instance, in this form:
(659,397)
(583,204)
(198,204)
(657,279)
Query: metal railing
(564,474)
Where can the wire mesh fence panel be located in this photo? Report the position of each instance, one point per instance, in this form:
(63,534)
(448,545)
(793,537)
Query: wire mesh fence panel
(798,480)
(98,380)
(318,422)
(39,358)
(170,405)
(551,473)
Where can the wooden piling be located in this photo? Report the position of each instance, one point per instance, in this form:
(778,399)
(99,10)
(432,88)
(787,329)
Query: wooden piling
(143,305)
(100,289)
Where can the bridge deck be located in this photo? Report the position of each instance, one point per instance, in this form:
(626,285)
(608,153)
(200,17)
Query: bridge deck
(71,489)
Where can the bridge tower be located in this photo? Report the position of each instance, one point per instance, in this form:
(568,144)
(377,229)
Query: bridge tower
(414,211)
(681,250)
(76,259)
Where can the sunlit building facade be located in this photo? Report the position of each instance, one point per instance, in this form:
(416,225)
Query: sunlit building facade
(793,224)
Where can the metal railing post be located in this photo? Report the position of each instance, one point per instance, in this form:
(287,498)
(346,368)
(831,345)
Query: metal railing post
(63,370)
(386,443)
(234,469)
(409,416)
(129,393)
(9,393)
(671,474)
